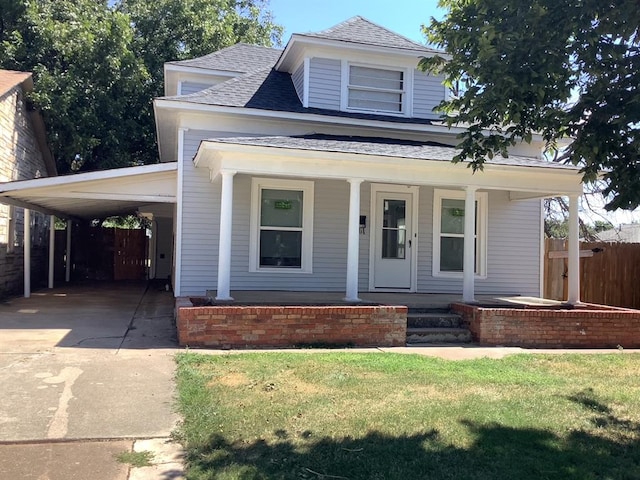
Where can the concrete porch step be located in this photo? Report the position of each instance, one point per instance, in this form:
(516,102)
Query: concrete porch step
(437,335)
(433,319)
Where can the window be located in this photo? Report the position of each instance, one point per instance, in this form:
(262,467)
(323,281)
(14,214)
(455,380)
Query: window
(448,233)
(281,225)
(376,89)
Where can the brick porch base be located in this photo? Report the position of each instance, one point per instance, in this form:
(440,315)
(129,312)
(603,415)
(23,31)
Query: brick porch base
(229,326)
(586,326)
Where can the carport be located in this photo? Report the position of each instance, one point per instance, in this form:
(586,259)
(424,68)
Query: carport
(148,190)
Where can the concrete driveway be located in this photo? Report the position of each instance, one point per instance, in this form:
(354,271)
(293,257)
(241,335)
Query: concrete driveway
(78,363)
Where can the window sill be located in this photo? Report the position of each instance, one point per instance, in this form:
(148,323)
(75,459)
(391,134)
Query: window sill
(456,275)
(286,271)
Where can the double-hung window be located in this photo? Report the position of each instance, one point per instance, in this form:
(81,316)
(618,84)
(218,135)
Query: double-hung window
(448,233)
(376,89)
(281,225)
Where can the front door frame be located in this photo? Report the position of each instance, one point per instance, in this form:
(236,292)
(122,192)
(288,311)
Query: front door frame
(377,188)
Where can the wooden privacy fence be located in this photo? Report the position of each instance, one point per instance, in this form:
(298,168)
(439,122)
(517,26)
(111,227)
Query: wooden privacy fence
(609,272)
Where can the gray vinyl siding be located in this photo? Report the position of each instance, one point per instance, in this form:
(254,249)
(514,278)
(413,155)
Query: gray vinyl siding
(428,92)
(513,248)
(188,87)
(298,81)
(324,83)
(513,238)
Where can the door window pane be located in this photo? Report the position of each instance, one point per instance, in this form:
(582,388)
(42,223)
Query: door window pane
(394,229)
(281,248)
(281,208)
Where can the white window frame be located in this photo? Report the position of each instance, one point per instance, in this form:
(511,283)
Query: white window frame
(307,187)
(482,200)
(407,83)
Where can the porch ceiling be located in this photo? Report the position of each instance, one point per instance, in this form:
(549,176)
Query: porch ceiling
(96,194)
(385,161)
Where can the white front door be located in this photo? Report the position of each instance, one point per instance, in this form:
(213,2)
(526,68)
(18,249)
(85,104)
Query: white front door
(394,241)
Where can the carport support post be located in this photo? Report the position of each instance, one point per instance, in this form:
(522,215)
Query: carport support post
(573,292)
(67,275)
(26,245)
(224,246)
(469,261)
(52,247)
(354,240)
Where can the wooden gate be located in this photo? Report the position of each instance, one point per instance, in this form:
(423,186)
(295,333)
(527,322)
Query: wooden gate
(130,254)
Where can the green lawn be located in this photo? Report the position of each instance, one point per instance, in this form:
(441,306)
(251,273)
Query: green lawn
(387,416)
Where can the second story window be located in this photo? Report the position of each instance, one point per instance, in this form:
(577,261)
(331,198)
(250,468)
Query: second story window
(376,89)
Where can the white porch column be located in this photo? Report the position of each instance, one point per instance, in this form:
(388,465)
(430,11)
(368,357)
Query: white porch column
(67,274)
(224,247)
(52,247)
(573,292)
(26,245)
(469,261)
(353,246)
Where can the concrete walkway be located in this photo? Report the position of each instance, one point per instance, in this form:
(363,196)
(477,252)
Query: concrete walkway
(87,373)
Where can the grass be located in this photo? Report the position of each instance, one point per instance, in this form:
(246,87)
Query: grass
(388,416)
(135,459)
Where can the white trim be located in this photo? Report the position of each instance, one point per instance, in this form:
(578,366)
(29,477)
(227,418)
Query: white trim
(482,235)
(307,187)
(89,176)
(373,214)
(177,247)
(353,240)
(305,82)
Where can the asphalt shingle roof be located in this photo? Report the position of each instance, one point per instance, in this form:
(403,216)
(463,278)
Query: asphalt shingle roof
(269,89)
(387,147)
(241,57)
(360,30)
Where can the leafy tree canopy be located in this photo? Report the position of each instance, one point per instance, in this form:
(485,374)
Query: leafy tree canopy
(98,64)
(563,69)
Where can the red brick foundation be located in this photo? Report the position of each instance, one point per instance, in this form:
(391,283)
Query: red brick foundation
(587,326)
(228,326)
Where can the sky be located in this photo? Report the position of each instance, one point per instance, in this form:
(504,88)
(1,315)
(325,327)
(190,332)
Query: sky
(401,16)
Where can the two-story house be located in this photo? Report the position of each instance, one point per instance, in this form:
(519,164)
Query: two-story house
(322,167)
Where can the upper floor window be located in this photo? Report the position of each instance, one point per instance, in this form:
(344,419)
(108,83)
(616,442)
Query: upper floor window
(376,89)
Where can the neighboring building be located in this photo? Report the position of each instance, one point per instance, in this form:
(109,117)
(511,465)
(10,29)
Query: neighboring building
(322,167)
(23,155)
(629,233)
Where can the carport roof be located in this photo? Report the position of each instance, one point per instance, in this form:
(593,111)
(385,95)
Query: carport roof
(92,195)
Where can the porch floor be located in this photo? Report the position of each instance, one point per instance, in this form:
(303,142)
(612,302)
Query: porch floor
(411,300)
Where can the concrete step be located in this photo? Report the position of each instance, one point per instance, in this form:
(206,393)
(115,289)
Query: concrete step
(437,335)
(434,320)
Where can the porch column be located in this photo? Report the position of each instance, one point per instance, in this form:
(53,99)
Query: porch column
(353,246)
(469,261)
(224,246)
(573,292)
(26,245)
(67,274)
(52,247)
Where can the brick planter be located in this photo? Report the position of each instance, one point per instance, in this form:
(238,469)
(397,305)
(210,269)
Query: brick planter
(229,326)
(586,326)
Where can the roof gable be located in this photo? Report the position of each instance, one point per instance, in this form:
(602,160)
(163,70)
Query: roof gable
(360,30)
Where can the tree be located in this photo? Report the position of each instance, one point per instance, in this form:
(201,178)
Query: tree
(563,69)
(98,64)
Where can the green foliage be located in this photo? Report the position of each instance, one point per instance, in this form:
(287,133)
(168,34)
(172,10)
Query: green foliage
(523,63)
(97,65)
(136,459)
